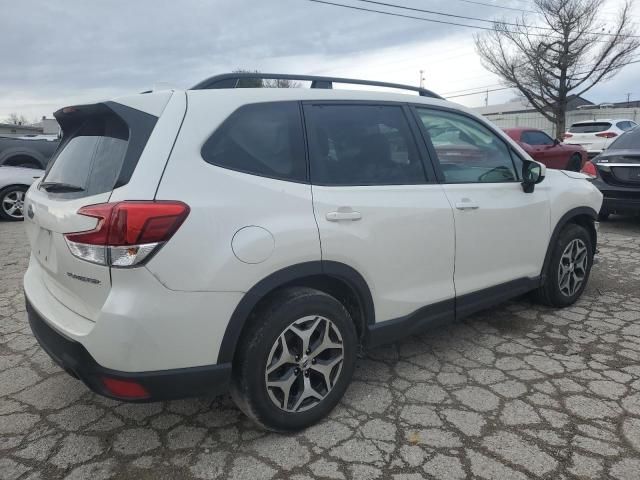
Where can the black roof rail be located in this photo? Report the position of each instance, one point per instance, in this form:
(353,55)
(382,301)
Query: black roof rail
(231,80)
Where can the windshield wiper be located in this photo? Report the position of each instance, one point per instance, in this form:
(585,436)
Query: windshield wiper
(60,187)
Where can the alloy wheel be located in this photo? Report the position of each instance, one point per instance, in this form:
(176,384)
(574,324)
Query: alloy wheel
(572,270)
(304,364)
(13,204)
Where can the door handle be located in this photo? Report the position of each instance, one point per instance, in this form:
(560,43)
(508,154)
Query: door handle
(343,215)
(467,206)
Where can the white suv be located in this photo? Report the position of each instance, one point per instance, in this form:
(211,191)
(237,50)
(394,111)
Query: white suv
(596,135)
(252,239)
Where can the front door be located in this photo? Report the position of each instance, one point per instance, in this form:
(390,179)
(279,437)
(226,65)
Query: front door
(502,233)
(378,210)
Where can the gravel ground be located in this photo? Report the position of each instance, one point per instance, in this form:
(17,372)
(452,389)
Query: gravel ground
(515,392)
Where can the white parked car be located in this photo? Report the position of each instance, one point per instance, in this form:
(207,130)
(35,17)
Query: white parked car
(14,182)
(596,135)
(214,239)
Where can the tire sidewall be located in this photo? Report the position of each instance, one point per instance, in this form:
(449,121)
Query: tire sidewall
(259,347)
(569,233)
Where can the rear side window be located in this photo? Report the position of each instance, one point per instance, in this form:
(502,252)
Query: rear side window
(92,156)
(533,137)
(589,127)
(261,139)
(361,145)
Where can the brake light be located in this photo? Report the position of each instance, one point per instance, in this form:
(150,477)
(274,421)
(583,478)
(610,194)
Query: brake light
(607,134)
(589,169)
(566,135)
(127,233)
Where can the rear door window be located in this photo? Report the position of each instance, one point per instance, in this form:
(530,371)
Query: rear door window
(533,137)
(92,156)
(627,141)
(361,145)
(262,139)
(590,127)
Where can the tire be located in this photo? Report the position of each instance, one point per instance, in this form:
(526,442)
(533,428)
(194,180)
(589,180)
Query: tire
(603,216)
(575,163)
(557,291)
(12,202)
(260,347)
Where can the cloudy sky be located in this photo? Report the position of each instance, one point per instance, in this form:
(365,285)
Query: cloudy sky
(57,53)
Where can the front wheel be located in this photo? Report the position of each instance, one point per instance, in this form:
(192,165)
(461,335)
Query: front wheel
(568,270)
(295,361)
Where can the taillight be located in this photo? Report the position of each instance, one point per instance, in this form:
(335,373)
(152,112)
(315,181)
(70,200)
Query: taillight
(607,134)
(589,169)
(127,233)
(566,135)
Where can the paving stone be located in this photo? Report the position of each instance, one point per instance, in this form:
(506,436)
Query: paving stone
(423,415)
(626,469)
(520,452)
(631,431)
(489,469)
(445,467)
(209,466)
(53,393)
(75,416)
(135,441)
(77,449)
(94,471)
(250,468)
(328,433)
(586,467)
(469,423)
(17,422)
(15,379)
(185,437)
(477,398)
(325,469)
(11,470)
(356,450)
(517,412)
(287,452)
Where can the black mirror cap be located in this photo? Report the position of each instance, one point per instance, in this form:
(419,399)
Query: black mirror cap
(531,175)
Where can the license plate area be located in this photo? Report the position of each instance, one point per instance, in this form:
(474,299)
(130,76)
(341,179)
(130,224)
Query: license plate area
(627,174)
(43,249)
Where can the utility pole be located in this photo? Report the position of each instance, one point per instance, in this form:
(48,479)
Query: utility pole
(421,79)
(628,99)
(486,98)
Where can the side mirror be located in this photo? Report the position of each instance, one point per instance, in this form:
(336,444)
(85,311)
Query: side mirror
(532,173)
(556,142)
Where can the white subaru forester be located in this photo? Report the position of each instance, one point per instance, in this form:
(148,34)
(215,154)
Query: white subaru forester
(252,239)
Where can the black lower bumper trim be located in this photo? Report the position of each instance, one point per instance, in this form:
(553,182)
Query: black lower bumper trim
(161,385)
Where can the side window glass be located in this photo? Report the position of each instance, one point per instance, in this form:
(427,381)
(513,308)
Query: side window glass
(262,139)
(468,152)
(361,145)
(536,138)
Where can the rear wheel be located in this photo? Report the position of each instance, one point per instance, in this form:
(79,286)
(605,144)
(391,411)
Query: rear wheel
(568,270)
(575,163)
(12,202)
(295,361)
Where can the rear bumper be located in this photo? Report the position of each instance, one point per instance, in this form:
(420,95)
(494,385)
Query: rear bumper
(618,198)
(161,385)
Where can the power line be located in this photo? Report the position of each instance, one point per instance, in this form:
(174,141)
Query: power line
(475,19)
(499,6)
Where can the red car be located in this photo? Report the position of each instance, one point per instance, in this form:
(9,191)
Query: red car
(545,149)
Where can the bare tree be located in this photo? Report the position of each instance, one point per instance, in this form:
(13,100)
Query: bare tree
(264,83)
(15,119)
(567,54)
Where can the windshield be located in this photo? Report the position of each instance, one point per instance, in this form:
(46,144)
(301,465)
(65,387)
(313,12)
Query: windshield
(91,158)
(627,141)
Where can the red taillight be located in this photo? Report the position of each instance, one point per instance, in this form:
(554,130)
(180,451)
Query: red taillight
(125,388)
(127,232)
(607,134)
(566,135)
(589,169)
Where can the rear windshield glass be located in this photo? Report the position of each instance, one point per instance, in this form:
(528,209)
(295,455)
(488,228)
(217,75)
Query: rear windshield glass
(93,155)
(591,127)
(627,141)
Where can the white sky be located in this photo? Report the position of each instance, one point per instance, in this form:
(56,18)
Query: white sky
(75,51)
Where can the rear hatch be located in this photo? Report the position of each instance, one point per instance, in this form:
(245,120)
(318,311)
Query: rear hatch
(620,167)
(585,134)
(100,149)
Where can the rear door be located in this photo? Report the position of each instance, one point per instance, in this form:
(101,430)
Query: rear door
(100,150)
(502,233)
(377,208)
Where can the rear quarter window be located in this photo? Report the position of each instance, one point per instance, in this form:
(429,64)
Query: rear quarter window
(262,139)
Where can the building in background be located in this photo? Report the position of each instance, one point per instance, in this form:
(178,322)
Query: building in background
(46,126)
(519,113)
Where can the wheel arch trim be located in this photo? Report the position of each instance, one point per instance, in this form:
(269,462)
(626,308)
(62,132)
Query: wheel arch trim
(280,278)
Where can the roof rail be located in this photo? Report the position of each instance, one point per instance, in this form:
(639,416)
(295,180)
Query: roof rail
(231,80)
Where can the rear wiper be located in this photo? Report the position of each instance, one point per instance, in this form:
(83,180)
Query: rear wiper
(60,187)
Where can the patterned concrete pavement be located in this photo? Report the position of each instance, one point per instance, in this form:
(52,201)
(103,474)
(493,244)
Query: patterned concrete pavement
(515,392)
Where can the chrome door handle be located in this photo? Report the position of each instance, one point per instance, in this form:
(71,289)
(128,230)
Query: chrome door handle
(338,216)
(467,206)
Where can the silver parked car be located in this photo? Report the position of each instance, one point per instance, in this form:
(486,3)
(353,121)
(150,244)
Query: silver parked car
(14,182)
